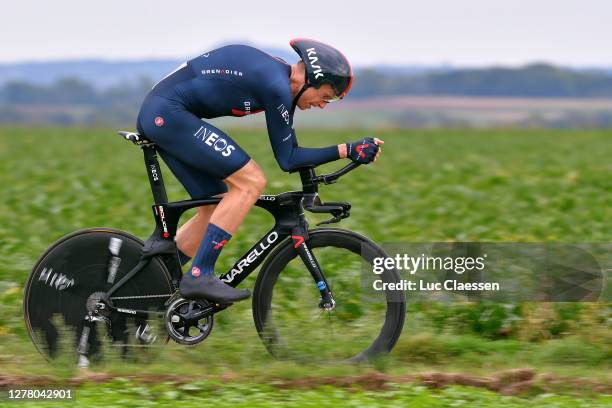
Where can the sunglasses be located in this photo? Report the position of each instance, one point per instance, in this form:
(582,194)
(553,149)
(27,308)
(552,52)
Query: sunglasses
(330,100)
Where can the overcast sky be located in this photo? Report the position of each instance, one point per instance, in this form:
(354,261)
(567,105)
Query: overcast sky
(458,32)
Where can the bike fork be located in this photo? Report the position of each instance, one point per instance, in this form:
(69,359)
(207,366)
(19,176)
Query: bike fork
(300,238)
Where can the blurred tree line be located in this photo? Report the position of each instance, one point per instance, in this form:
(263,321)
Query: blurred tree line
(73,91)
(536,80)
(71,101)
(75,101)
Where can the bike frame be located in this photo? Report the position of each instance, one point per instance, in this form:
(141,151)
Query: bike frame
(286,208)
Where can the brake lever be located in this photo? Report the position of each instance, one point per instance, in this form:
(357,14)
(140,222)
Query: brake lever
(332,220)
(337,217)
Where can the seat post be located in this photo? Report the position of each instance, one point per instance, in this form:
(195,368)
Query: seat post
(155,176)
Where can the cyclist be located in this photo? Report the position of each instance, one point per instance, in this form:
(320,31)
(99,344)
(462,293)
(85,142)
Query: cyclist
(238,80)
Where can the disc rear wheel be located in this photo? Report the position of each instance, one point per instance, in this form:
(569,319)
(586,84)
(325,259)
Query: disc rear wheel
(74,274)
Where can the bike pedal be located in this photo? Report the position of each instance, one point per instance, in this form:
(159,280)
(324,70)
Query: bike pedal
(83,362)
(145,334)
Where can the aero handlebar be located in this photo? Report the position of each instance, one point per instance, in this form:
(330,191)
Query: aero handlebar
(332,177)
(311,201)
(310,180)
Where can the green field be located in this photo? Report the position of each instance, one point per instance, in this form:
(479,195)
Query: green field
(443,185)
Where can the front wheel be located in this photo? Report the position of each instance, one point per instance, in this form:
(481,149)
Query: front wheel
(365,323)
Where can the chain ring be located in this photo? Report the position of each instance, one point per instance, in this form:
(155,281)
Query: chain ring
(180,325)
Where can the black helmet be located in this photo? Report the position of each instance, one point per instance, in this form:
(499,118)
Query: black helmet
(324,65)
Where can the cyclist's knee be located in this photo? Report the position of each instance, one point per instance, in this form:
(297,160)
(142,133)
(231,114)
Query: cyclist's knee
(259,181)
(255,179)
(250,179)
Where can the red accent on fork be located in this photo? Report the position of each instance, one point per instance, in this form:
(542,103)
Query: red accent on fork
(299,240)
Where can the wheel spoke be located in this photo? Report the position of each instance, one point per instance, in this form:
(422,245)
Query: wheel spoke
(330,321)
(287,291)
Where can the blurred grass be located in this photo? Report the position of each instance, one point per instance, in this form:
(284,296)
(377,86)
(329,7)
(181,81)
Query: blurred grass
(124,393)
(487,185)
(497,185)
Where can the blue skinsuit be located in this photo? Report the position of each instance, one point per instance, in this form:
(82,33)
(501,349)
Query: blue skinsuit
(235,80)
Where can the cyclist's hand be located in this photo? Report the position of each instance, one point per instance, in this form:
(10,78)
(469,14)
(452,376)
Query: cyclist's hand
(379,142)
(364,151)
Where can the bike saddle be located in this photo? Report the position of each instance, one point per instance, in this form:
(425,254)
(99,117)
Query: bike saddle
(135,138)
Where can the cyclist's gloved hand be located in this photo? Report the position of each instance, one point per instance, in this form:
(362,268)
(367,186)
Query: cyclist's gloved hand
(362,151)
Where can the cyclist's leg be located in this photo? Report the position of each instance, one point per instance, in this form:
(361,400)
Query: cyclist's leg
(246,185)
(198,184)
(209,150)
(201,156)
(190,140)
(190,234)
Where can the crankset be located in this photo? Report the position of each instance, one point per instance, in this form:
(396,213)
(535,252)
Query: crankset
(189,321)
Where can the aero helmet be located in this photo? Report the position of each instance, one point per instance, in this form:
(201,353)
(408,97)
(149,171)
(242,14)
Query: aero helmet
(324,65)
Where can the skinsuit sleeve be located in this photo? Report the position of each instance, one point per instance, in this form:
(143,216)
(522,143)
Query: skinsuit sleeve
(277,104)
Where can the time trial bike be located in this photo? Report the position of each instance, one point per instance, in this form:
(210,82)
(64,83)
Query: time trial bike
(311,298)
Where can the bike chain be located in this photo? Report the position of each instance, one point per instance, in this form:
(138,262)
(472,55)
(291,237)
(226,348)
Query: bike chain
(160,313)
(138,297)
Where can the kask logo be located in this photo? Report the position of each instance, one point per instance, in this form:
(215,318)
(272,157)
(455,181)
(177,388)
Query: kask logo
(312,58)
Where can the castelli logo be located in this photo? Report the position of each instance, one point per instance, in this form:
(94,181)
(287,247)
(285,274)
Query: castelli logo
(360,149)
(195,271)
(220,244)
(159,121)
